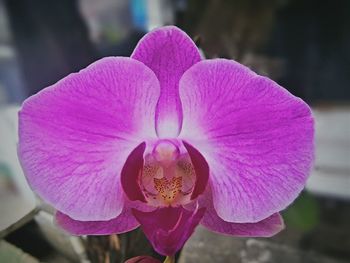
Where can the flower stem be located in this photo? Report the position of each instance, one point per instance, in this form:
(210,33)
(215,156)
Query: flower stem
(169,259)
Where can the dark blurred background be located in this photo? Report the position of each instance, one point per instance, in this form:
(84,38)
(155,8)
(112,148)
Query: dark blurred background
(304,45)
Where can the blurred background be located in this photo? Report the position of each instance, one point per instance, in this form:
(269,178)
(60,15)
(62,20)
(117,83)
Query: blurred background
(304,45)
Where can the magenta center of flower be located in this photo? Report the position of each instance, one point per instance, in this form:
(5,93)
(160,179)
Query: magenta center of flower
(168,176)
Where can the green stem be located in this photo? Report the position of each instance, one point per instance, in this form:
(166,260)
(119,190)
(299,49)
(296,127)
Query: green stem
(169,259)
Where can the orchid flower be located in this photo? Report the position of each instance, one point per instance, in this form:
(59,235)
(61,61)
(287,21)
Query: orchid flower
(166,140)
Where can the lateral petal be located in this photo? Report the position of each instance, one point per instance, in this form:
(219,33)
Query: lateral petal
(265,228)
(123,223)
(256,137)
(75,136)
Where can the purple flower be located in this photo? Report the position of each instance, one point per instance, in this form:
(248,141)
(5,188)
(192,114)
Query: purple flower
(167,141)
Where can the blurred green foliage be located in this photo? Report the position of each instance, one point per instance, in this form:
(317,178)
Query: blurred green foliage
(304,213)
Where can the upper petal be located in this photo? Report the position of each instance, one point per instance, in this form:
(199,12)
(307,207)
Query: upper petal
(256,137)
(169,228)
(169,52)
(75,136)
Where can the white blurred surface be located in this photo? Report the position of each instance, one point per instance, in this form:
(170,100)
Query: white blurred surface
(16,198)
(331,175)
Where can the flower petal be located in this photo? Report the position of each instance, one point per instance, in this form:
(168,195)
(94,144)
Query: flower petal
(169,52)
(256,137)
(168,228)
(266,228)
(75,136)
(123,223)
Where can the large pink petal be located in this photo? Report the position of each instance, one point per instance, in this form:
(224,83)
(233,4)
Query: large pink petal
(123,223)
(169,52)
(265,228)
(169,228)
(256,137)
(75,136)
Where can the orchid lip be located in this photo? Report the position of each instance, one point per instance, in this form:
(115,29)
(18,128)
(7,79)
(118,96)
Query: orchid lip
(168,175)
(164,173)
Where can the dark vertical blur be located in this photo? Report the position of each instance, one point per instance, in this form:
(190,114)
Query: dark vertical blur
(314,37)
(50,38)
(303,44)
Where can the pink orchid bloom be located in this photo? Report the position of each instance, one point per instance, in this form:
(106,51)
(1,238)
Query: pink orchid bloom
(166,141)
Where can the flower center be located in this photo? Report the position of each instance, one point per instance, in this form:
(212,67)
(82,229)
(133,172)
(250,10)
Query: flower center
(168,175)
